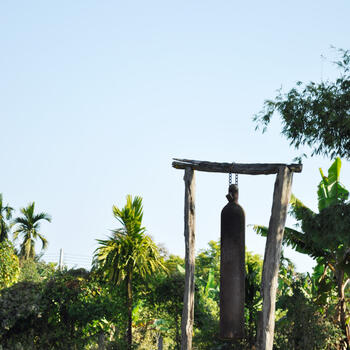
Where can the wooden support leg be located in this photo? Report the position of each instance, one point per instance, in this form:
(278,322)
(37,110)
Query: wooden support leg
(188,308)
(281,197)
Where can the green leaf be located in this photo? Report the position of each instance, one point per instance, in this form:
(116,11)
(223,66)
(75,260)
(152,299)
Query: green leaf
(330,190)
(180,269)
(210,283)
(260,230)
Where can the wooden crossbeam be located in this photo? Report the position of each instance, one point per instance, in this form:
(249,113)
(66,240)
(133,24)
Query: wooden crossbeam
(237,168)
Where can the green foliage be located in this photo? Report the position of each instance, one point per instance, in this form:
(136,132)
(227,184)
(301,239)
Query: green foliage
(173,262)
(129,249)
(5,216)
(328,231)
(321,289)
(330,190)
(315,114)
(20,311)
(253,299)
(79,307)
(29,272)
(76,309)
(128,252)
(208,270)
(35,271)
(302,326)
(28,226)
(165,299)
(326,234)
(69,311)
(9,265)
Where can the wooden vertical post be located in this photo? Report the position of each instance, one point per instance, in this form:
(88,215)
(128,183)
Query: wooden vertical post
(189,232)
(281,197)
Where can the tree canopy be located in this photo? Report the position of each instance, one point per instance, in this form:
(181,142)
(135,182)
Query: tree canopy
(5,215)
(128,251)
(28,226)
(315,114)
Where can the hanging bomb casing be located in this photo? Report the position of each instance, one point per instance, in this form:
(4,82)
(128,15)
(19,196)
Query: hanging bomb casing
(232,268)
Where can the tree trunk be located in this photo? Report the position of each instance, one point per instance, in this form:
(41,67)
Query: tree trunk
(342,306)
(129,307)
(160,343)
(101,341)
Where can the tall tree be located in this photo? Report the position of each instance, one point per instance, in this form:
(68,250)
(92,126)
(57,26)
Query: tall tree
(5,215)
(128,251)
(28,227)
(325,235)
(315,114)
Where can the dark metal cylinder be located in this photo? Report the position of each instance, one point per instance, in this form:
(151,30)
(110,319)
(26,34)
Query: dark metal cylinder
(232,270)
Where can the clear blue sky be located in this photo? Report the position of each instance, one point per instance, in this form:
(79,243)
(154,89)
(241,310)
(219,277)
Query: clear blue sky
(96,97)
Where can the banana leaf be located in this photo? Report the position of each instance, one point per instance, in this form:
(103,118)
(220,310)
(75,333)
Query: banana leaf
(330,190)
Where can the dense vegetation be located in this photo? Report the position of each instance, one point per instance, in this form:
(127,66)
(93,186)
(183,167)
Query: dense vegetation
(44,308)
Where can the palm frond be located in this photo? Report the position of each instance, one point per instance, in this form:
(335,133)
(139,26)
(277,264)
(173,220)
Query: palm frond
(41,216)
(5,215)
(21,220)
(28,225)
(261,230)
(44,241)
(128,249)
(8,210)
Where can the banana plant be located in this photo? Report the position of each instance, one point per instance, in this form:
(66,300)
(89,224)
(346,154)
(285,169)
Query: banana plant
(212,285)
(325,235)
(330,190)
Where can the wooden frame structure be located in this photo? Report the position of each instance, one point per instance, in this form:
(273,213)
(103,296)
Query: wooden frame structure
(281,197)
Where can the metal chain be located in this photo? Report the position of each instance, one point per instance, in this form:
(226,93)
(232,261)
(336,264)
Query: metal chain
(230,179)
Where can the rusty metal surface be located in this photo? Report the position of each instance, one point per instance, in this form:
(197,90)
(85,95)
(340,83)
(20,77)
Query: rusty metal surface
(232,271)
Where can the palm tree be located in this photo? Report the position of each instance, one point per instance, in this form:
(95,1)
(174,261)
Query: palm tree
(28,226)
(128,251)
(325,236)
(5,214)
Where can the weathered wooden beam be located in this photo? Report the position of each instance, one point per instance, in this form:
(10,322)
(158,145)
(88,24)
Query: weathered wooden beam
(238,168)
(189,232)
(281,197)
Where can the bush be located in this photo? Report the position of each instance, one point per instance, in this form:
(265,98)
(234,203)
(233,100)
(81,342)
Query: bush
(302,326)
(9,265)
